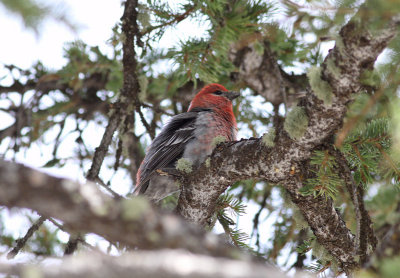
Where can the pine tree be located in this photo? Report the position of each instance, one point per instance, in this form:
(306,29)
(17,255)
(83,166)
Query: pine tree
(321,128)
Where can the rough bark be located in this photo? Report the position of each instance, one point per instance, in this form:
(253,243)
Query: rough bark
(147,264)
(129,91)
(264,76)
(123,110)
(85,208)
(356,50)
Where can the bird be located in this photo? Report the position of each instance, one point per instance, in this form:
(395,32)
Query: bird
(190,135)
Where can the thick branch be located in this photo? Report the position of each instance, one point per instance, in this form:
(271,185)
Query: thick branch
(357,51)
(326,224)
(262,73)
(85,208)
(147,264)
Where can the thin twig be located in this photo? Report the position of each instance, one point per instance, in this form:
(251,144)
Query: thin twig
(102,149)
(72,244)
(58,225)
(365,234)
(129,93)
(22,241)
(145,123)
(130,89)
(118,154)
(109,190)
(256,218)
(177,18)
(157,109)
(57,140)
(66,230)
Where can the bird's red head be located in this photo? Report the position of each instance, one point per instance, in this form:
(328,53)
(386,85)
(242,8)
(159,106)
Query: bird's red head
(216,97)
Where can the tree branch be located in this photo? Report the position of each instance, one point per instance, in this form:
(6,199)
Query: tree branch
(20,243)
(133,223)
(130,90)
(355,51)
(365,237)
(147,264)
(262,73)
(121,112)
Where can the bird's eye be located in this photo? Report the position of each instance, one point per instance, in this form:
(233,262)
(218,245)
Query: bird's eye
(218,93)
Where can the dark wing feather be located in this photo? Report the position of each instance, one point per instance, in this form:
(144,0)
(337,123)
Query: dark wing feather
(168,146)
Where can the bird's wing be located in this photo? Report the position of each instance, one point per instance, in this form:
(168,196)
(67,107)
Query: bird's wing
(168,146)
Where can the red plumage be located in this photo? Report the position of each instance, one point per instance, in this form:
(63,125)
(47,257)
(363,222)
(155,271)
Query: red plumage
(189,135)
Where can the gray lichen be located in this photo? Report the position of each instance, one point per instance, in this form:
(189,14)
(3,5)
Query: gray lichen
(370,78)
(320,87)
(332,68)
(323,255)
(133,209)
(217,140)
(184,165)
(269,137)
(296,122)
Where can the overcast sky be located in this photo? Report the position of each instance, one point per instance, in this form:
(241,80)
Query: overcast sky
(22,46)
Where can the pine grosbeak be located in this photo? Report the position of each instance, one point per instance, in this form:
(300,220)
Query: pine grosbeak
(190,135)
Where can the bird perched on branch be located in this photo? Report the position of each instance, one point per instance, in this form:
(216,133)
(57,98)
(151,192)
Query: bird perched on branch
(187,140)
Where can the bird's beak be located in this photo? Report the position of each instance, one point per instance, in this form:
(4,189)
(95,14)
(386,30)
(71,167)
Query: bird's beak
(231,95)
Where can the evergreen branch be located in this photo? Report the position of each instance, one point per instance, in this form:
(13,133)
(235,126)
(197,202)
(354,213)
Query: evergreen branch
(236,237)
(305,246)
(363,169)
(228,201)
(324,267)
(388,159)
(351,123)
(365,236)
(361,151)
(176,19)
(300,256)
(326,181)
(356,49)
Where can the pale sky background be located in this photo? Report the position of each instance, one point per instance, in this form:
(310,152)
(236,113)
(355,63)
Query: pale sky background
(23,47)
